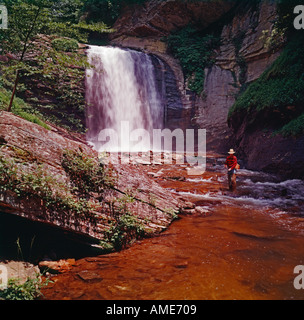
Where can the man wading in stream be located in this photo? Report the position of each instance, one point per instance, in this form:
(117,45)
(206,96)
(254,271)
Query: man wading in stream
(232,165)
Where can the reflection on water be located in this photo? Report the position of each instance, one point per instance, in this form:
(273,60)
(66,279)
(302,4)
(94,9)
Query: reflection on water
(246,249)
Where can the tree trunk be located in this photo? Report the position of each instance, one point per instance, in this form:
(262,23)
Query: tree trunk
(21,59)
(13,93)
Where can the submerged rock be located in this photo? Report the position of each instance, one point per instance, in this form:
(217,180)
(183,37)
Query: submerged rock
(60,266)
(89,276)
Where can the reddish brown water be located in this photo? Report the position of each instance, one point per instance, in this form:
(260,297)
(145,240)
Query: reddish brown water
(246,248)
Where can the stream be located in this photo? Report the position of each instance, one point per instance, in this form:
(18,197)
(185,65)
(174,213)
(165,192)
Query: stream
(245,245)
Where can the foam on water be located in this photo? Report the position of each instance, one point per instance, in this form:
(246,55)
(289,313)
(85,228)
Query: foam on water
(277,196)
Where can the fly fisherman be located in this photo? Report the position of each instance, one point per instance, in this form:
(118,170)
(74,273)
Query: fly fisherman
(231,164)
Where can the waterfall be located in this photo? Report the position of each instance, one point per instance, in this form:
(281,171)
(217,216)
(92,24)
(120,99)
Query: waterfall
(122,96)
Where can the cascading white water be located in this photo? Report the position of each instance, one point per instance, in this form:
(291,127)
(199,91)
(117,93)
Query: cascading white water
(121,92)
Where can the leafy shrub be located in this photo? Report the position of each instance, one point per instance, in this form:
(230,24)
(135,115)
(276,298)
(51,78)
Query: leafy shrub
(106,10)
(79,31)
(64,44)
(194,51)
(66,29)
(67,10)
(29,290)
(86,174)
(126,229)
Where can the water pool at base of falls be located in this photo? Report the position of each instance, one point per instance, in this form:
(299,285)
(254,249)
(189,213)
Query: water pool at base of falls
(246,247)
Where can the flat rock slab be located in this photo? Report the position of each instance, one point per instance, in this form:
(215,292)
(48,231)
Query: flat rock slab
(89,276)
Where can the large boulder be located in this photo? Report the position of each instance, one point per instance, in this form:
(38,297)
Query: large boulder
(29,147)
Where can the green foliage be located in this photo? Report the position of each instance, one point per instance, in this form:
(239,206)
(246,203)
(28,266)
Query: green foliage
(273,39)
(29,18)
(64,44)
(237,42)
(126,229)
(26,19)
(35,181)
(78,197)
(60,75)
(279,86)
(67,10)
(283,28)
(271,94)
(63,74)
(194,52)
(286,17)
(21,109)
(99,27)
(86,174)
(294,128)
(29,290)
(65,29)
(106,10)
(172,213)
(79,31)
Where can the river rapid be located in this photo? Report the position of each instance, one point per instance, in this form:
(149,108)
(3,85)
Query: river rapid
(242,245)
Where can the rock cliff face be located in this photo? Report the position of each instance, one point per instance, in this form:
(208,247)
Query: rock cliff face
(263,151)
(240,60)
(159,18)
